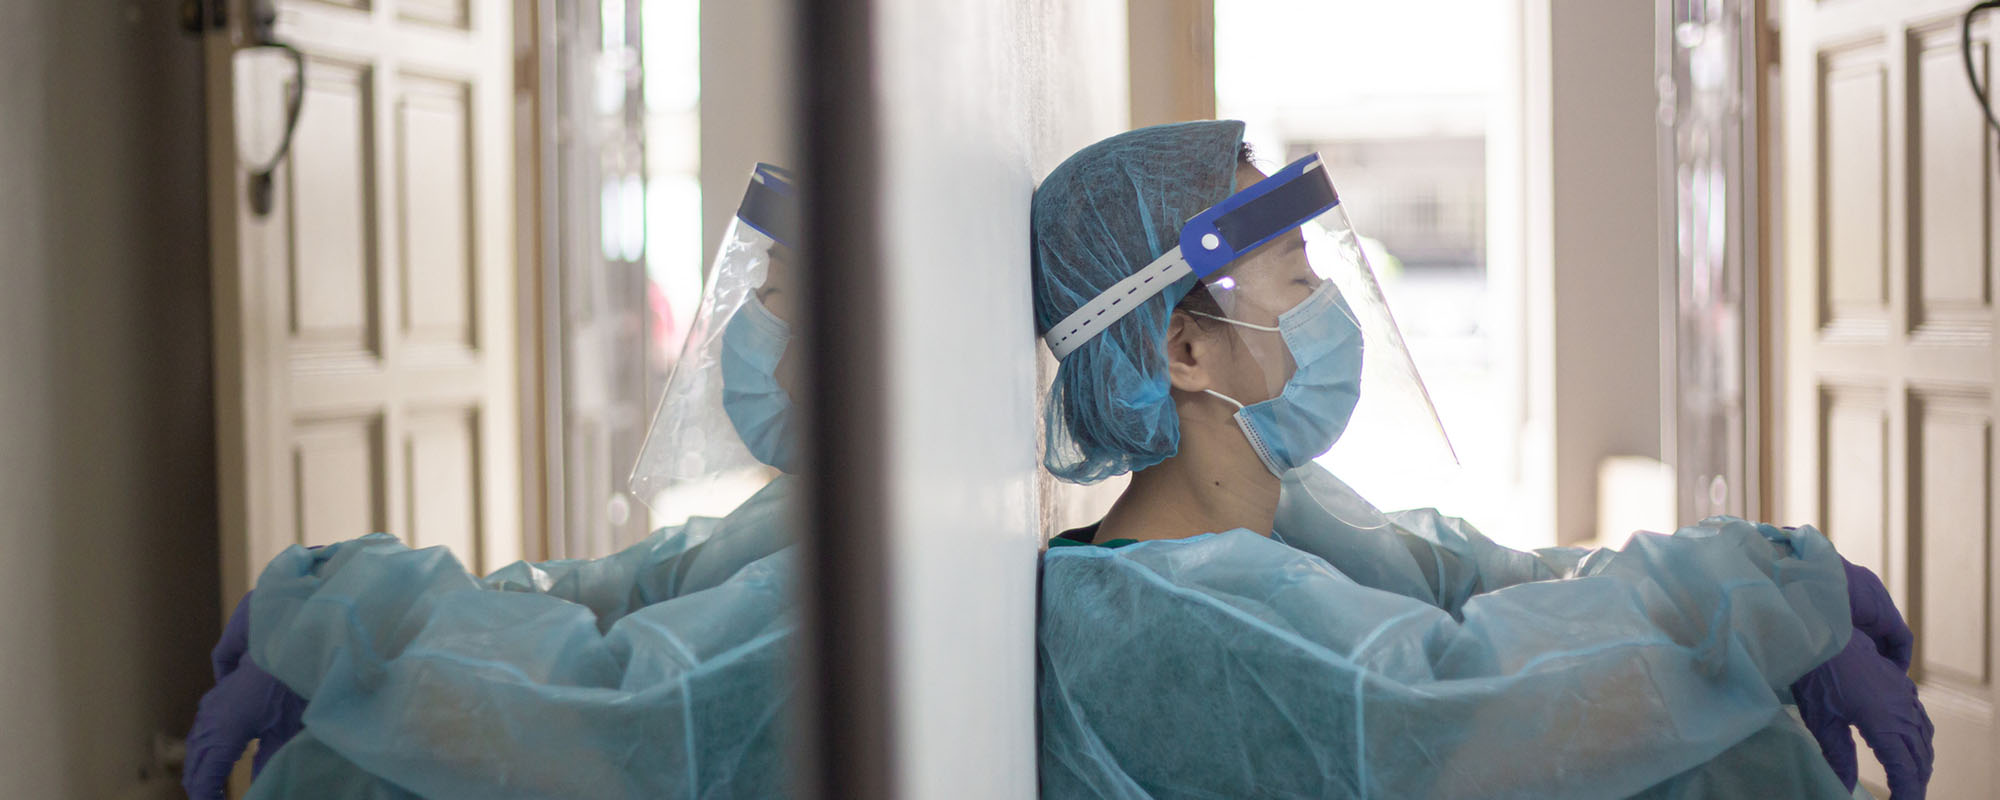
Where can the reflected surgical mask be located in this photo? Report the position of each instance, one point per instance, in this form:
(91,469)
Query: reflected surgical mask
(1309,414)
(723,419)
(752,344)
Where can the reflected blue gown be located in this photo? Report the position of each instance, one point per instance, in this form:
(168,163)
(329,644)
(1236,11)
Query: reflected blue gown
(657,672)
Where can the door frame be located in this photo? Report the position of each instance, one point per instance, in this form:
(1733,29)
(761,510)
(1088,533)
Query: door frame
(539,332)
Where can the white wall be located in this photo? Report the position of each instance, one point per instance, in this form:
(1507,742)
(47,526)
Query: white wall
(746,103)
(978,100)
(107,463)
(1592,287)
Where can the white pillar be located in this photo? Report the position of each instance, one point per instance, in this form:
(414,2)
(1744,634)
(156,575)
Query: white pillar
(1590,272)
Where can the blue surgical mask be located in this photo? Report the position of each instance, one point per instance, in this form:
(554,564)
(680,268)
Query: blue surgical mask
(1308,416)
(752,343)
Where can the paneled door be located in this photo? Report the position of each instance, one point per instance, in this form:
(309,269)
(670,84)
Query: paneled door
(365,326)
(1889,198)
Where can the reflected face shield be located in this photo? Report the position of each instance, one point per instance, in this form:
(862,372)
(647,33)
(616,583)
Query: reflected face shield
(1314,349)
(726,423)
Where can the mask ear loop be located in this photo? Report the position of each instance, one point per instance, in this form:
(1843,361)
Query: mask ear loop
(1243,424)
(1225,398)
(1251,326)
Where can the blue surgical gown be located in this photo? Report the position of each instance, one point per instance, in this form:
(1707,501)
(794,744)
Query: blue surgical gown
(660,671)
(1236,665)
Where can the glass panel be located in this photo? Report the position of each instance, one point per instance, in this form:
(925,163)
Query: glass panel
(1708,255)
(649,653)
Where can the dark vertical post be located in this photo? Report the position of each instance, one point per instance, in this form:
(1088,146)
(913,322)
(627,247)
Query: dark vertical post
(846,740)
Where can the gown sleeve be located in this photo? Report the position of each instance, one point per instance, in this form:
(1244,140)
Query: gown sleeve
(656,672)
(1230,665)
(1445,561)
(670,562)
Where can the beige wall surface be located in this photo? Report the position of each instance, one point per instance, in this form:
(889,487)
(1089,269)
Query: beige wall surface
(107,489)
(1593,302)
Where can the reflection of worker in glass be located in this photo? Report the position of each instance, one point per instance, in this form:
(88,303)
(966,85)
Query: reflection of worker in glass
(1240,624)
(760,375)
(374,670)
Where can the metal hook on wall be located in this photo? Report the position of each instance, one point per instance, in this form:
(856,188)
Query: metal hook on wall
(1971,70)
(263,34)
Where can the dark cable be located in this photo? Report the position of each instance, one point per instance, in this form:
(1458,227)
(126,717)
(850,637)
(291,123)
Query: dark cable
(1965,51)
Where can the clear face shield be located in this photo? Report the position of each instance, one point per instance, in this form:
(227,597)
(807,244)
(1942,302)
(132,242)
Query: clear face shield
(727,424)
(1303,345)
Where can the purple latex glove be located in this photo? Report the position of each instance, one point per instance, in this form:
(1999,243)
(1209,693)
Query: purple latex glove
(1866,686)
(1875,614)
(246,704)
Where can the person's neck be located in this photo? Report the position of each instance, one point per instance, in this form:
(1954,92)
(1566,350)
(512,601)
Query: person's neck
(1214,484)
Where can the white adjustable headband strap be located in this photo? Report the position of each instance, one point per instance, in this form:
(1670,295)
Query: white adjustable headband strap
(1115,303)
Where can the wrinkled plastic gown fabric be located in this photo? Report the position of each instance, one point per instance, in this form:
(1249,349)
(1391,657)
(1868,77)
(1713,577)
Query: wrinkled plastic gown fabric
(1419,553)
(1234,665)
(658,672)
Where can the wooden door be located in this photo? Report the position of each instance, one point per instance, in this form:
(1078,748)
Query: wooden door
(1888,352)
(365,327)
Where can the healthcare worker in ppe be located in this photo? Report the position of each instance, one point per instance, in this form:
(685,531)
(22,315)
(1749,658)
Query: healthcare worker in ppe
(1240,624)
(370,670)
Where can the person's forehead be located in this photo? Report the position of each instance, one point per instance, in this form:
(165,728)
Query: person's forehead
(1283,257)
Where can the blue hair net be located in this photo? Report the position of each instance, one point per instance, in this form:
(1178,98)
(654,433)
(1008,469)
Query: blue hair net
(1102,215)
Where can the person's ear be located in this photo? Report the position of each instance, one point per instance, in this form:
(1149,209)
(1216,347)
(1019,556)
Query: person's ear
(1191,354)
